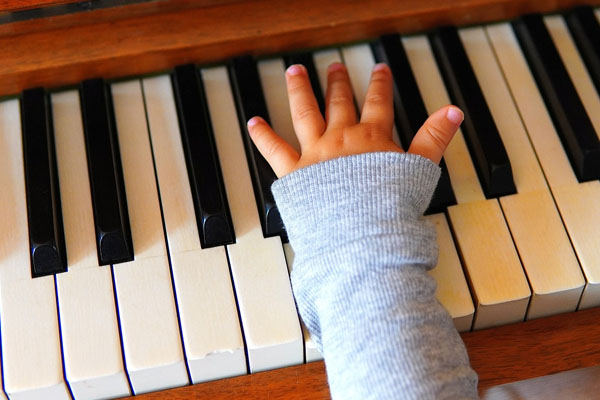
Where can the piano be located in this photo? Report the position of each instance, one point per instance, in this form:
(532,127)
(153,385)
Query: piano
(141,252)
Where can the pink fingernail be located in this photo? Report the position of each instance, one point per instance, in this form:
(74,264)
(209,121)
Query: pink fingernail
(336,67)
(455,115)
(380,67)
(295,69)
(254,121)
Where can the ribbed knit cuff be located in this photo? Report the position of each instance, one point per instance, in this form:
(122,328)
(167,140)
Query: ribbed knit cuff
(353,197)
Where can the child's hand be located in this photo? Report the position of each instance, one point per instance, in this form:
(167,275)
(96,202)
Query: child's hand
(340,134)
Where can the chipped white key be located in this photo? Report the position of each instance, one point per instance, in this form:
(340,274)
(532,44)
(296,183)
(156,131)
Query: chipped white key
(208,314)
(274,88)
(267,309)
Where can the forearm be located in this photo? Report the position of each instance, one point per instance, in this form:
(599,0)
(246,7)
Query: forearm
(360,280)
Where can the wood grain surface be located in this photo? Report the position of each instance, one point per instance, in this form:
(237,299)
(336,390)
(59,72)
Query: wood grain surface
(122,46)
(501,355)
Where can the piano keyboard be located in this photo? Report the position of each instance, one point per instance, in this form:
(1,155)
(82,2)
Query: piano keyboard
(157,257)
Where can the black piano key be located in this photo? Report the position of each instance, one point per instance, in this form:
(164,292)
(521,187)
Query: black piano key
(409,110)
(570,118)
(250,102)
(481,134)
(307,60)
(206,180)
(44,214)
(111,219)
(585,30)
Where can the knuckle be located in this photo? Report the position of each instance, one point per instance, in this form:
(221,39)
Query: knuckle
(272,148)
(373,131)
(438,137)
(376,98)
(340,100)
(304,111)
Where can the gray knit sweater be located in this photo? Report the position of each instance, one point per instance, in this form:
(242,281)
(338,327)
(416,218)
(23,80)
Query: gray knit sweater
(360,281)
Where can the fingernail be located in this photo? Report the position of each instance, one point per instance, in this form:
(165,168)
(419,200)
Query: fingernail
(380,67)
(455,115)
(336,67)
(254,121)
(295,69)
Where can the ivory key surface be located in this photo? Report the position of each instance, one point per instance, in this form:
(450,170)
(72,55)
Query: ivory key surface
(491,263)
(577,203)
(549,260)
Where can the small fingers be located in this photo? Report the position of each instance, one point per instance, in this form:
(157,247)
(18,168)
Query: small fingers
(433,137)
(306,116)
(339,101)
(379,101)
(279,154)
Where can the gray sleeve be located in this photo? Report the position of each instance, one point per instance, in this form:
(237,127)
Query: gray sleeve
(360,277)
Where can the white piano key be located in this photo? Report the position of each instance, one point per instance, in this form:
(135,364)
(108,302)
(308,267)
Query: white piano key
(311,353)
(491,261)
(452,291)
(31,349)
(268,313)
(577,202)
(207,310)
(323,59)
(549,260)
(272,79)
(360,61)
(272,75)
(90,331)
(147,310)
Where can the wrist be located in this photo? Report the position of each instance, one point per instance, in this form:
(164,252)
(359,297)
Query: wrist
(349,198)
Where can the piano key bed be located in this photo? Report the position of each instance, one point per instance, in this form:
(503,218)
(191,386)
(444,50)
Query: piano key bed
(157,257)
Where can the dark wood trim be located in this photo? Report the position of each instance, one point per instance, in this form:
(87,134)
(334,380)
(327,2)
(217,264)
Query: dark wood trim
(116,46)
(500,355)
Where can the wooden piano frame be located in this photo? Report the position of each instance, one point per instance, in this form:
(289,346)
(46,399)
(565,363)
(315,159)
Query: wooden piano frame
(153,36)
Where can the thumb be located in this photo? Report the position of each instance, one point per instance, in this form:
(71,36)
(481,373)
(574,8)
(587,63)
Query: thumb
(279,154)
(434,136)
